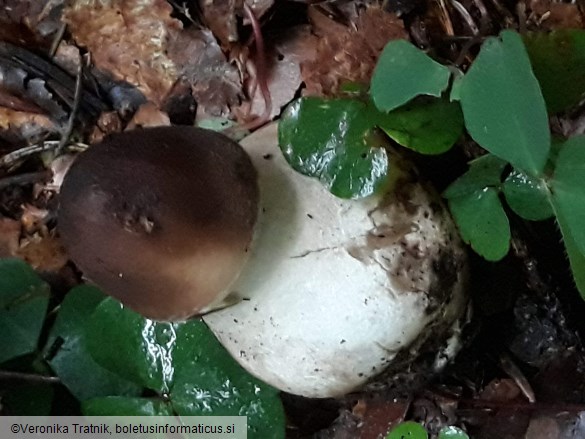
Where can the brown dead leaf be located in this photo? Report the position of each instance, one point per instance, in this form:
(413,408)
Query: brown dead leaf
(501,390)
(220,16)
(284,57)
(108,123)
(33,218)
(549,15)
(43,253)
(216,83)
(29,22)
(542,427)
(129,39)
(9,235)
(41,249)
(345,54)
(377,416)
(148,115)
(17,126)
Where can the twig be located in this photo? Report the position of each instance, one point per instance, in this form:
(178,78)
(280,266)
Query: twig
(466,48)
(57,40)
(466,16)
(23,179)
(12,158)
(76,99)
(446,18)
(30,377)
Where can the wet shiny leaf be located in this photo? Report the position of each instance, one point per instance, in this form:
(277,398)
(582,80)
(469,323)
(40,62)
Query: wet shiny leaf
(131,346)
(209,382)
(333,140)
(452,432)
(67,353)
(558,61)
(23,303)
(427,127)
(404,72)
(408,430)
(185,365)
(503,106)
(527,196)
(482,222)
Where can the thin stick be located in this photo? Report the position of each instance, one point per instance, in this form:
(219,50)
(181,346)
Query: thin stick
(447,20)
(466,48)
(466,16)
(76,99)
(12,158)
(57,40)
(31,377)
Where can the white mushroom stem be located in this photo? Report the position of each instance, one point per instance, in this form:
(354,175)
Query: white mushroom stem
(335,289)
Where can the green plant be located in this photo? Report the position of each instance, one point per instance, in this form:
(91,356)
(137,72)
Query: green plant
(116,362)
(499,100)
(408,430)
(413,430)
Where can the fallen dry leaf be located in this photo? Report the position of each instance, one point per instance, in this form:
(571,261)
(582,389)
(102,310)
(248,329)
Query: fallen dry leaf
(284,56)
(9,235)
(109,122)
(43,253)
(543,427)
(501,390)
(33,218)
(548,15)
(345,54)
(148,115)
(128,39)
(377,416)
(220,16)
(29,22)
(19,127)
(216,83)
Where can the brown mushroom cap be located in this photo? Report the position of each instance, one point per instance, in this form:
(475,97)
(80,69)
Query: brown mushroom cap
(161,218)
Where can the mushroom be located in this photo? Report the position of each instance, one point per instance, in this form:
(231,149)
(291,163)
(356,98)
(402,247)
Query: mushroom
(339,291)
(161,218)
(336,291)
